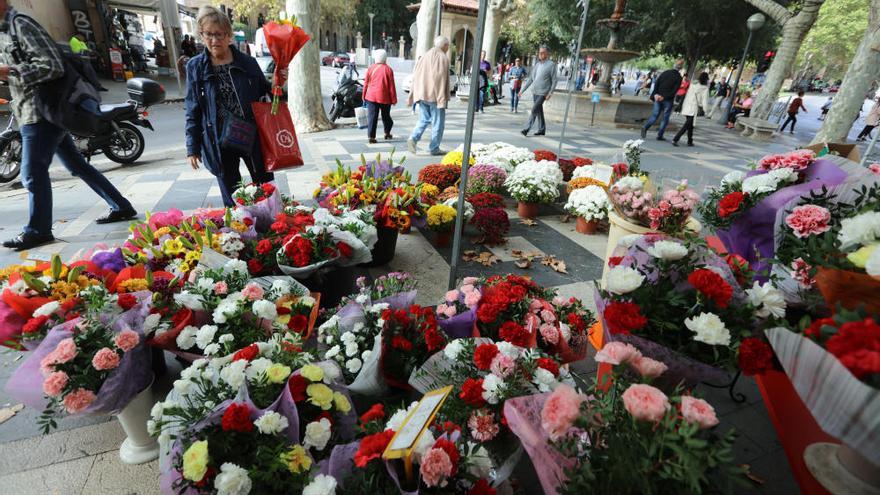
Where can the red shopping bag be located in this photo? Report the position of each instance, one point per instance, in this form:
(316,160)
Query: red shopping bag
(277,137)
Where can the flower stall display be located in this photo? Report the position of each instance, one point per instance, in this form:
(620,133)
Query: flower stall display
(440,175)
(632,151)
(457,313)
(569,166)
(743,208)
(835,368)
(599,172)
(455,157)
(590,206)
(626,437)
(485,178)
(94,364)
(678,302)
(829,240)
(493,224)
(261,201)
(533,183)
(409,336)
(516,310)
(668,211)
(351,336)
(441,219)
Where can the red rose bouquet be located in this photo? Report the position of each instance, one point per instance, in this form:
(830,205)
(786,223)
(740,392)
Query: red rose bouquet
(409,337)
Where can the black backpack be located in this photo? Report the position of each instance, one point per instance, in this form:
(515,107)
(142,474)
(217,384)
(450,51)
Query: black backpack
(60,101)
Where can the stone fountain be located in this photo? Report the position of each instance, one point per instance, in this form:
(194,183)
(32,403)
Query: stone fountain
(610,111)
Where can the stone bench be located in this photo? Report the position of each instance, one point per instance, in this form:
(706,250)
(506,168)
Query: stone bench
(759,129)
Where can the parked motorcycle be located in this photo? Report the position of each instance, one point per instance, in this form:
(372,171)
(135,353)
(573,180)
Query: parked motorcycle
(347,96)
(117,136)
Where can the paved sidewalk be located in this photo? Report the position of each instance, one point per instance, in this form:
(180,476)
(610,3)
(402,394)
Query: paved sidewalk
(82,457)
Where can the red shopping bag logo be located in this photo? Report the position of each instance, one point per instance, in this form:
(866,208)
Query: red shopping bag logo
(285,138)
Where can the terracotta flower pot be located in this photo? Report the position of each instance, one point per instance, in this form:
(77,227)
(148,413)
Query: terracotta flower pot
(443,239)
(585,227)
(527,210)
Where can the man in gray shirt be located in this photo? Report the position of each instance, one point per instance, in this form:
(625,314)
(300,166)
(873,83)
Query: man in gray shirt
(542,80)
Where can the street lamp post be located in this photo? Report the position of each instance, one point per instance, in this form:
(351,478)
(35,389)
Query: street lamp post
(754,23)
(371,15)
(439,14)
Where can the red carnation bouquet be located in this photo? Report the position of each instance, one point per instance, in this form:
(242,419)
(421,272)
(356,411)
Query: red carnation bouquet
(681,304)
(835,367)
(409,337)
(262,201)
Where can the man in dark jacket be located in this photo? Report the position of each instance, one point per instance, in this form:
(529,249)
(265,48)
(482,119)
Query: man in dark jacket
(663,97)
(34,60)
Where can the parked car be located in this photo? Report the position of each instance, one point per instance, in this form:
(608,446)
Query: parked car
(337,59)
(453,82)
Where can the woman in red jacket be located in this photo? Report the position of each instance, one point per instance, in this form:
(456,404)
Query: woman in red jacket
(379,93)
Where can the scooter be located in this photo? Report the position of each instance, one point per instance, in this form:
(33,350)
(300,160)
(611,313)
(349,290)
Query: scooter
(116,136)
(347,96)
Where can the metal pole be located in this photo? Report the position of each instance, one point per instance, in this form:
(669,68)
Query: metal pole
(568,86)
(371,37)
(464,51)
(870,148)
(468,136)
(734,89)
(439,14)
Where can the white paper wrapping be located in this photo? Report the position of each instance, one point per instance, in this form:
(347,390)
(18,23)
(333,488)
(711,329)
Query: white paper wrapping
(369,380)
(844,407)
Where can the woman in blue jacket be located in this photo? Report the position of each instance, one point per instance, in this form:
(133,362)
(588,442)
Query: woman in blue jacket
(221,84)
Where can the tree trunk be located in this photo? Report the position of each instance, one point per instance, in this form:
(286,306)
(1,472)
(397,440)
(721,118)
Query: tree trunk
(304,88)
(862,71)
(794,30)
(495,16)
(426,23)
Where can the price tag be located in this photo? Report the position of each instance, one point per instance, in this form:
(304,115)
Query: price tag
(414,425)
(212,260)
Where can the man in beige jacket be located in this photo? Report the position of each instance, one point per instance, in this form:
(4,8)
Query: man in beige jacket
(430,89)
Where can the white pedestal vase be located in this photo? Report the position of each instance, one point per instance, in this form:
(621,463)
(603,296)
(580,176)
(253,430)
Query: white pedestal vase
(842,470)
(138,447)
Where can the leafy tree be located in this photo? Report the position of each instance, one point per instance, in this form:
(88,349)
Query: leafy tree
(252,8)
(392,18)
(833,40)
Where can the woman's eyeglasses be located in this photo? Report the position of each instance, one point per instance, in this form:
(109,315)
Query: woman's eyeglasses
(214,36)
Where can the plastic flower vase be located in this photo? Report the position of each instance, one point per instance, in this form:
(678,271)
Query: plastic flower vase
(138,447)
(383,251)
(527,210)
(586,227)
(443,238)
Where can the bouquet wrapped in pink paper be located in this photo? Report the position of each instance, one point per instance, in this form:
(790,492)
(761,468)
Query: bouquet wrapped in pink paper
(95,364)
(261,201)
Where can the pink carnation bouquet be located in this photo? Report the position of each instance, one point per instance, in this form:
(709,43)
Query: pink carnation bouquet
(615,440)
(94,364)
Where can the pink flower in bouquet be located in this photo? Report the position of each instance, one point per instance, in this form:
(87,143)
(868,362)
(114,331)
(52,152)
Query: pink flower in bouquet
(645,402)
(800,271)
(559,301)
(127,340)
(536,305)
(452,295)
(450,311)
(252,292)
(220,288)
(698,411)
(165,219)
(471,299)
(647,367)
(550,333)
(548,316)
(470,281)
(875,168)
(483,426)
(441,308)
(560,411)
(502,365)
(105,359)
(615,353)
(47,364)
(78,400)
(807,220)
(65,351)
(436,467)
(55,383)
(468,288)
(798,160)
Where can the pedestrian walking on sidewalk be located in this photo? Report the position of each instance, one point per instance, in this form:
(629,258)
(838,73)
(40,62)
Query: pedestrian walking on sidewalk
(697,97)
(516,75)
(379,93)
(28,58)
(221,84)
(826,107)
(663,96)
(796,105)
(871,121)
(542,80)
(430,89)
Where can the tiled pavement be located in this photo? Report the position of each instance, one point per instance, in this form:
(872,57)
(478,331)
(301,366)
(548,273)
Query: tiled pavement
(82,458)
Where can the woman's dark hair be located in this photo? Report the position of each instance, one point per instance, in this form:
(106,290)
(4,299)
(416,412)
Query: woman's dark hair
(704,78)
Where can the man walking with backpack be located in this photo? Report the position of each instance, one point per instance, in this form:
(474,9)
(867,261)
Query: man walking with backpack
(663,97)
(29,57)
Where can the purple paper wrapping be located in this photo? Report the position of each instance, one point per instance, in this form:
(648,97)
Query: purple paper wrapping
(340,463)
(523,416)
(460,326)
(283,405)
(265,211)
(751,234)
(11,323)
(132,376)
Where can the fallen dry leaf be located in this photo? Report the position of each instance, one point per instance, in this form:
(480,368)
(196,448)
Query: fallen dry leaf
(8,412)
(554,263)
(523,263)
(529,222)
(565,218)
(485,258)
(754,477)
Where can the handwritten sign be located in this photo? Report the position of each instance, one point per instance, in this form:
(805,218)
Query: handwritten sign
(212,260)
(414,425)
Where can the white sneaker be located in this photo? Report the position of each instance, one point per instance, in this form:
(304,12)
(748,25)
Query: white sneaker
(411,145)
